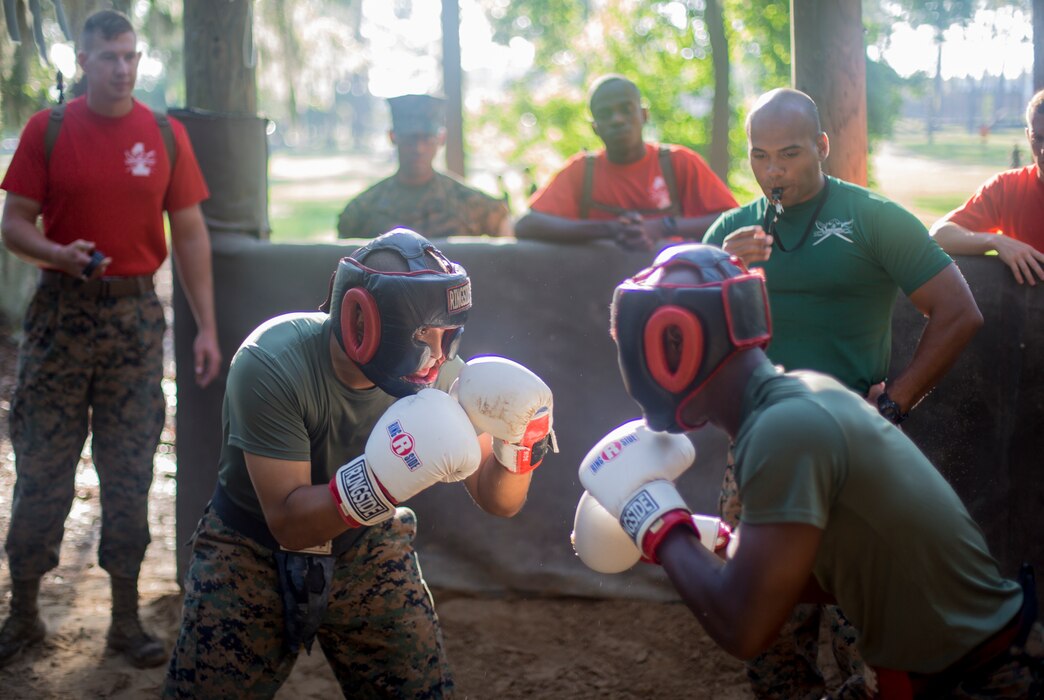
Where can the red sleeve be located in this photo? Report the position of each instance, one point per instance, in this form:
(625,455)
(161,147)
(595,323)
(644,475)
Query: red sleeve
(982,212)
(27,173)
(700,189)
(187,186)
(561,196)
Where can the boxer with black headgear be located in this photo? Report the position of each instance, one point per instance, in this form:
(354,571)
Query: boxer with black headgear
(331,422)
(677,322)
(839,505)
(387,293)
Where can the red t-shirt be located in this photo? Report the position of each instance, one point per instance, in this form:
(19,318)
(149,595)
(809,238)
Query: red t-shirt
(635,186)
(1011,202)
(108,181)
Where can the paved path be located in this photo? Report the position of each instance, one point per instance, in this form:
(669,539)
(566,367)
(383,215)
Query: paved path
(904,178)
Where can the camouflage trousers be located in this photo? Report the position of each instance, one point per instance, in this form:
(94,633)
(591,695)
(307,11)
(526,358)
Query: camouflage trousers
(380,633)
(83,363)
(789,668)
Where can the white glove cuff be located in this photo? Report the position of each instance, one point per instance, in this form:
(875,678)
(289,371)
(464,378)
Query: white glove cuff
(646,506)
(359,495)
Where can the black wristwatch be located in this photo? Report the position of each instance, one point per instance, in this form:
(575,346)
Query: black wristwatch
(890,409)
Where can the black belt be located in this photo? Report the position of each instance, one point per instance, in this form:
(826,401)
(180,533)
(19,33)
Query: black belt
(246,523)
(103,288)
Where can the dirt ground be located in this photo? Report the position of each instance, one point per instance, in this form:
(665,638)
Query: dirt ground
(504,648)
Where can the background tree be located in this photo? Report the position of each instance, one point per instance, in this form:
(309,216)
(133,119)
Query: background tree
(940,15)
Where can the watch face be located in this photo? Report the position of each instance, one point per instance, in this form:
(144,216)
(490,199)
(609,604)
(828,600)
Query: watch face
(889,409)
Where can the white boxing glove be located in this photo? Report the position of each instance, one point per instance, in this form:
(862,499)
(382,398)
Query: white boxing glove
(631,472)
(511,403)
(420,440)
(601,543)
(599,540)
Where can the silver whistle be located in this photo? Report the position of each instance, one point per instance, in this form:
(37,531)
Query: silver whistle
(777,196)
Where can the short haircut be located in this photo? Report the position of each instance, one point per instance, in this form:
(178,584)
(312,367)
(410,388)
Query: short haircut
(108,24)
(604,80)
(790,100)
(1035,107)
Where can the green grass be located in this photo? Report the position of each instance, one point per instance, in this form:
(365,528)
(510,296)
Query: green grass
(304,220)
(956,145)
(936,205)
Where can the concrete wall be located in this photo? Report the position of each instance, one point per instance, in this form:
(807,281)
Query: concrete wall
(546,306)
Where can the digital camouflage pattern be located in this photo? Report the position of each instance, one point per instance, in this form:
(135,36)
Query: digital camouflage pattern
(439,208)
(380,634)
(788,669)
(81,357)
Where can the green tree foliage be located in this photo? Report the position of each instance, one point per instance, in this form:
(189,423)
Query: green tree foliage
(664,47)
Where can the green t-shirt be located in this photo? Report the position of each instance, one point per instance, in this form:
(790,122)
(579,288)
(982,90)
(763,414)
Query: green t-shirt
(832,297)
(900,552)
(283,400)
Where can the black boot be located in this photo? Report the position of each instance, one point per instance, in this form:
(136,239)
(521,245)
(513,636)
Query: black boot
(23,626)
(126,634)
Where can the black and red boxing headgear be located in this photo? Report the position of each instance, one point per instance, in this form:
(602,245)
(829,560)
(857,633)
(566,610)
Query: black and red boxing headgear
(393,306)
(672,336)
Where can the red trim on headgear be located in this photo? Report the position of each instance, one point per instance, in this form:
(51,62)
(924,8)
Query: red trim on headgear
(357,300)
(691,349)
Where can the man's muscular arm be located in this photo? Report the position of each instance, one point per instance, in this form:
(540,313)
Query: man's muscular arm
(298,514)
(191,243)
(743,602)
(953,319)
(495,489)
(23,238)
(1025,261)
(547,227)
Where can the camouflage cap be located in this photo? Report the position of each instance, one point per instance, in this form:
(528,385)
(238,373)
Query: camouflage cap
(417,114)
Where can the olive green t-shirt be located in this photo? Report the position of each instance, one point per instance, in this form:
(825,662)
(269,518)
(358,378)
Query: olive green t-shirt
(899,552)
(832,297)
(283,400)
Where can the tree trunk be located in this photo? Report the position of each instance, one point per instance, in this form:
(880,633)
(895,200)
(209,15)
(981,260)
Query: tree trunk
(935,106)
(719,145)
(219,58)
(453,87)
(829,64)
(1038,45)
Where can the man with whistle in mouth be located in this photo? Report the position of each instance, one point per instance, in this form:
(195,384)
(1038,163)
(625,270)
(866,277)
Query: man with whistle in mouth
(835,256)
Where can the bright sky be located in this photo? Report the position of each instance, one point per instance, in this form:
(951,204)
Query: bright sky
(995,42)
(486,63)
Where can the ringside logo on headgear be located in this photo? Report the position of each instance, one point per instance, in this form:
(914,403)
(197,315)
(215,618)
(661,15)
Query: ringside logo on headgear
(391,307)
(458,298)
(673,336)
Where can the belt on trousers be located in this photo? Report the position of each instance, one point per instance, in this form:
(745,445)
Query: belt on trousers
(249,525)
(103,288)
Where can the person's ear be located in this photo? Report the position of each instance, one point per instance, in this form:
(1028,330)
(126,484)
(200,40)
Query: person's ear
(645,115)
(81,59)
(822,146)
